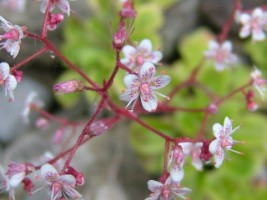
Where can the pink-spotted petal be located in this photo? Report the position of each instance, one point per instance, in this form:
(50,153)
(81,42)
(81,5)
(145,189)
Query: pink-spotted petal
(67,179)
(177,173)
(12,47)
(128,51)
(218,130)
(160,82)
(131,81)
(149,102)
(145,47)
(49,173)
(219,157)
(154,186)
(154,196)
(129,95)
(147,72)
(10,83)
(64,6)
(71,192)
(16,179)
(214,145)
(4,71)
(156,56)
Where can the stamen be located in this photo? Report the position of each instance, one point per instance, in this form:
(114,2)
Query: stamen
(162,95)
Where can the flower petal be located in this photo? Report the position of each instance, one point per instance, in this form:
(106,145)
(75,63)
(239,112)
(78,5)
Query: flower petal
(197,163)
(245,31)
(67,179)
(10,82)
(218,130)
(214,145)
(44,5)
(187,147)
(71,192)
(227,126)
(219,156)
(64,6)
(180,192)
(177,173)
(147,72)
(258,35)
(128,51)
(131,81)
(4,71)
(155,57)
(154,186)
(145,47)
(213,45)
(149,102)
(244,18)
(160,82)
(16,179)
(227,46)
(49,173)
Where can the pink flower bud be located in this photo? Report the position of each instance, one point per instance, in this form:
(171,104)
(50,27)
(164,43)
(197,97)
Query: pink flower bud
(68,87)
(127,10)
(41,123)
(120,37)
(18,75)
(28,185)
(78,175)
(212,109)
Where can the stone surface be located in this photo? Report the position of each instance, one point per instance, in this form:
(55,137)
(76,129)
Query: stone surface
(11,122)
(180,19)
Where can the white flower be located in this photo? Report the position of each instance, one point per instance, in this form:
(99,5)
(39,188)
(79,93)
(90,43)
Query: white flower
(258,82)
(194,150)
(223,141)
(221,54)
(7,80)
(60,185)
(168,190)
(63,5)
(253,24)
(12,36)
(144,85)
(137,56)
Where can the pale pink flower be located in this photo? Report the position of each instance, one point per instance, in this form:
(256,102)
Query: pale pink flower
(137,56)
(8,81)
(193,150)
(253,24)
(53,20)
(258,81)
(60,185)
(176,162)
(223,141)
(12,178)
(12,37)
(17,5)
(144,85)
(221,54)
(167,191)
(63,5)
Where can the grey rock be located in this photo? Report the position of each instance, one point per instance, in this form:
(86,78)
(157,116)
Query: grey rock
(180,19)
(11,123)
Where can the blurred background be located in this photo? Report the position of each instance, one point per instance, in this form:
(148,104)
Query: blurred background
(118,165)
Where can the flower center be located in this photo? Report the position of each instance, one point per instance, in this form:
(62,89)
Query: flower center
(145,89)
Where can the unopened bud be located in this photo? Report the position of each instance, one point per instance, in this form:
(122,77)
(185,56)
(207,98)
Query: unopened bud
(212,109)
(120,37)
(68,87)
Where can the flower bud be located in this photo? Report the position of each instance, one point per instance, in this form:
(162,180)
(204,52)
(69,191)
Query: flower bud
(68,87)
